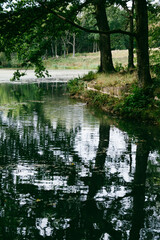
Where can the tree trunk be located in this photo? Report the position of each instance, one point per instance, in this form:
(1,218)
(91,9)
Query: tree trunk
(93,47)
(97,180)
(139,190)
(64,49)
(64,46)
(144,78)
(52,49)
(74,44)
(56,52)
(130,49)
(106,63)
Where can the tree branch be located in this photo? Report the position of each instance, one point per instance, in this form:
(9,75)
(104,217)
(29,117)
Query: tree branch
(92,30)
(86,29)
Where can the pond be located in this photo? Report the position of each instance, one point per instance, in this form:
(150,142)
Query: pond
(68,171)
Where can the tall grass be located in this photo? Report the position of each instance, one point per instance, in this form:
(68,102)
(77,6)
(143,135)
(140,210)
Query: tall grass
(89,61)
(85,60)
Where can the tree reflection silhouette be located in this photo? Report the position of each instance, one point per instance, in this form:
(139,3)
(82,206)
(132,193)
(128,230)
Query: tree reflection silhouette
(90,222)
(49,190)
(142,155)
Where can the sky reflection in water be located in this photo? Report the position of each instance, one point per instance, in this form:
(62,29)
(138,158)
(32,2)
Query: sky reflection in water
(70,172)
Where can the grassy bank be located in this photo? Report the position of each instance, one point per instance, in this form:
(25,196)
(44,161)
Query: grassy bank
(84,60)
(89,61)
(119,94)
(80,61)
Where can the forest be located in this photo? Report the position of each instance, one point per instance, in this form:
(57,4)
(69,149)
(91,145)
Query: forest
(35,30)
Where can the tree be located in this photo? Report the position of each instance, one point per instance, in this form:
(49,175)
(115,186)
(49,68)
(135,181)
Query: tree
(106,64)
(141,9)
(130,18)
(24,26)
(154,25)
(131,39)
(144,77)
(52,8)
(118,18)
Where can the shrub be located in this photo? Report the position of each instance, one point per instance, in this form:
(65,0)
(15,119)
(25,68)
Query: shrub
(90,76)
(136,102)
(75,86)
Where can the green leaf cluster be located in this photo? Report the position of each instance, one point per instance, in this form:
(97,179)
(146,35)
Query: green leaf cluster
(137,103)
(75,86)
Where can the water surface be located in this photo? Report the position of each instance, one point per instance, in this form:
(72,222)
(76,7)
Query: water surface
(70,172)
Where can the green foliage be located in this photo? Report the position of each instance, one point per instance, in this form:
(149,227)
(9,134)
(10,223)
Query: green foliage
(17,75)
(154,25)
(155,56)
(119,67)
(117,19)
(75,86)
(97,99)
(11,62)
(141,104)
(156,69)
(29,30)
(90,76)
(40,70)
(136,103)
(30,27)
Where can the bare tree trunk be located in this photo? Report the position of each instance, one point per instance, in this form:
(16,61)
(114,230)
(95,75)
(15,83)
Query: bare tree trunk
(64,46)
(52,49)
(46,54)
(64,50)
(96,47)
(74,44)
(144,77)
(106,63)
(56,49)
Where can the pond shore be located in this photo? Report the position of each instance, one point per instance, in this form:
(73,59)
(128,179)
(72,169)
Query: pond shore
(56,75)
(119,95)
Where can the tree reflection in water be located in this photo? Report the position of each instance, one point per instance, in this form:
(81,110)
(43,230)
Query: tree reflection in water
(67,174)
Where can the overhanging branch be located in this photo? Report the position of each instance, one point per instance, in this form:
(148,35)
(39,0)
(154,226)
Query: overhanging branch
(92,30)
(86,29)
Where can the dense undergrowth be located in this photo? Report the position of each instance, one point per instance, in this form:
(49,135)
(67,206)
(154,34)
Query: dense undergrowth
(136,103)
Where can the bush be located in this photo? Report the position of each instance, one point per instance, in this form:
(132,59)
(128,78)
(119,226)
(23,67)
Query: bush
(119,67)
(136,103)
(90,76)
(75,86)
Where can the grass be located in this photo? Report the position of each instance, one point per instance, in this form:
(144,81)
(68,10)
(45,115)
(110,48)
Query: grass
(118,93)
(137,104)
(111,80)
(89,61)
(80,61)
